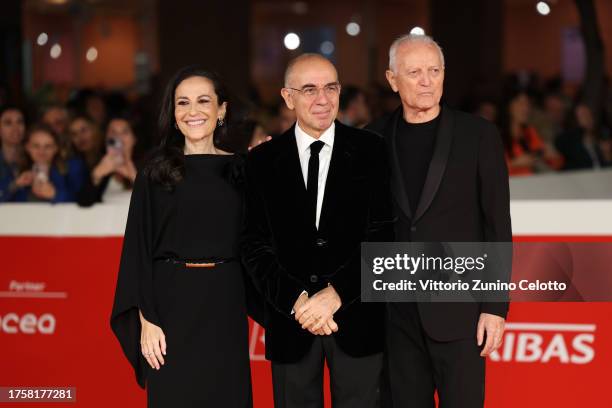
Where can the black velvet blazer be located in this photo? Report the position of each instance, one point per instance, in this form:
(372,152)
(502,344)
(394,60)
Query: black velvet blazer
(285,253)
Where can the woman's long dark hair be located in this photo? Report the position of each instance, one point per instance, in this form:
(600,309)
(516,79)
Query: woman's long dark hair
(167,163)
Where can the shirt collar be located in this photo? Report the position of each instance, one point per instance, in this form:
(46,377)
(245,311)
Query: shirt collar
(304,140)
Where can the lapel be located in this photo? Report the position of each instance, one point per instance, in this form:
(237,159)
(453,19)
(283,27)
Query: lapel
(339,173)
(398,186)
(444,138)
(436,169)
(289,172)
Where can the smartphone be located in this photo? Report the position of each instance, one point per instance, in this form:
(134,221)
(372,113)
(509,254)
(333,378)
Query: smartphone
(41,173)
(115,146)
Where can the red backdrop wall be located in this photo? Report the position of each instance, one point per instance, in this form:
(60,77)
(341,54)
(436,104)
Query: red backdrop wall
(554,354)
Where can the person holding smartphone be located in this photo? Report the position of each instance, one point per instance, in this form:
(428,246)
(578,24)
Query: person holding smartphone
(46,177)
(115,173)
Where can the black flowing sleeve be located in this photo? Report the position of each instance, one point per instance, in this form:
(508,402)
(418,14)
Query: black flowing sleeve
(134,289)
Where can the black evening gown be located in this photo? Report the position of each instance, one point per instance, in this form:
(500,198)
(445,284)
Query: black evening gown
(202,311)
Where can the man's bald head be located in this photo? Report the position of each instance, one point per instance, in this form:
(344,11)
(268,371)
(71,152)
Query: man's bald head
(304,59)
(312,91)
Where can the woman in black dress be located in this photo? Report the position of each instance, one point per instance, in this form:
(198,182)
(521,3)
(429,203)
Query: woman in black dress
(180,308)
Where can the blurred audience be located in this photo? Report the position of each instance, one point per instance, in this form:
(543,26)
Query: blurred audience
(69,158)
(526,153)
(587,145)
(555,111)
(86,139)
(12,158)
(487,110)
(287,118)
(56,117)
(45,176)
(353,108)
(382,100)
(90,103)
(114,175)
(282,120)
(256,132)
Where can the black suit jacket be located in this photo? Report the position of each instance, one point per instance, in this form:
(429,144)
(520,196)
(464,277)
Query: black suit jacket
(285,253)
(465,198)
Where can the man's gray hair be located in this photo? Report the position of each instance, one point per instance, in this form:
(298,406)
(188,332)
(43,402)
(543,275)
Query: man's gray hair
(412,38)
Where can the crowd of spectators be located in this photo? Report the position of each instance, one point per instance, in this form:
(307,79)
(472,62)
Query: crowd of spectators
(90,148)
(75,152)
(545,129)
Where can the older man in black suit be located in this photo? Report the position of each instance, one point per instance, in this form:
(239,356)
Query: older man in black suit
(313,195)
(449,183)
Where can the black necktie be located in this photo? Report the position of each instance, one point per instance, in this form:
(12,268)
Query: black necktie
(312,185)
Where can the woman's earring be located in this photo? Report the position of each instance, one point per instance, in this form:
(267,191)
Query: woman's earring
(220,122)
(175,125)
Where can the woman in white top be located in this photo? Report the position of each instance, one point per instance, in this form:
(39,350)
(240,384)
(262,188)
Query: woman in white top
(113,177)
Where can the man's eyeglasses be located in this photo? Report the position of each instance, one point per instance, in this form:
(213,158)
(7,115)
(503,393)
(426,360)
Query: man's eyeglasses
(310,92)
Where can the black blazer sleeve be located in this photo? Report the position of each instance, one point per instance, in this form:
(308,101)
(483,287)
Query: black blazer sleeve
(379,226)
(494,199)
(279,288)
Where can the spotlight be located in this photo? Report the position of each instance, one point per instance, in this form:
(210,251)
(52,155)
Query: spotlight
(92,54)
(56,51)
(353,29)
(42,39)
(327,47)
(543,8)
(417,31)
(292,41)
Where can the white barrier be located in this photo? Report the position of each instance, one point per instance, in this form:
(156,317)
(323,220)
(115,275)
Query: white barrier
(578,203)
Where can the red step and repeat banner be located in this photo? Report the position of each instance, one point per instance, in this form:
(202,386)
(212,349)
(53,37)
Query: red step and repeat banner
(56,295)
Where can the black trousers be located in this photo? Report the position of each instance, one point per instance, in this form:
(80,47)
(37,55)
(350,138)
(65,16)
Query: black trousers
(417,365)
(354,381)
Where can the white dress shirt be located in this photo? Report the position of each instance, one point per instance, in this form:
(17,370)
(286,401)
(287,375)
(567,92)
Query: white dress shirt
(304,141)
